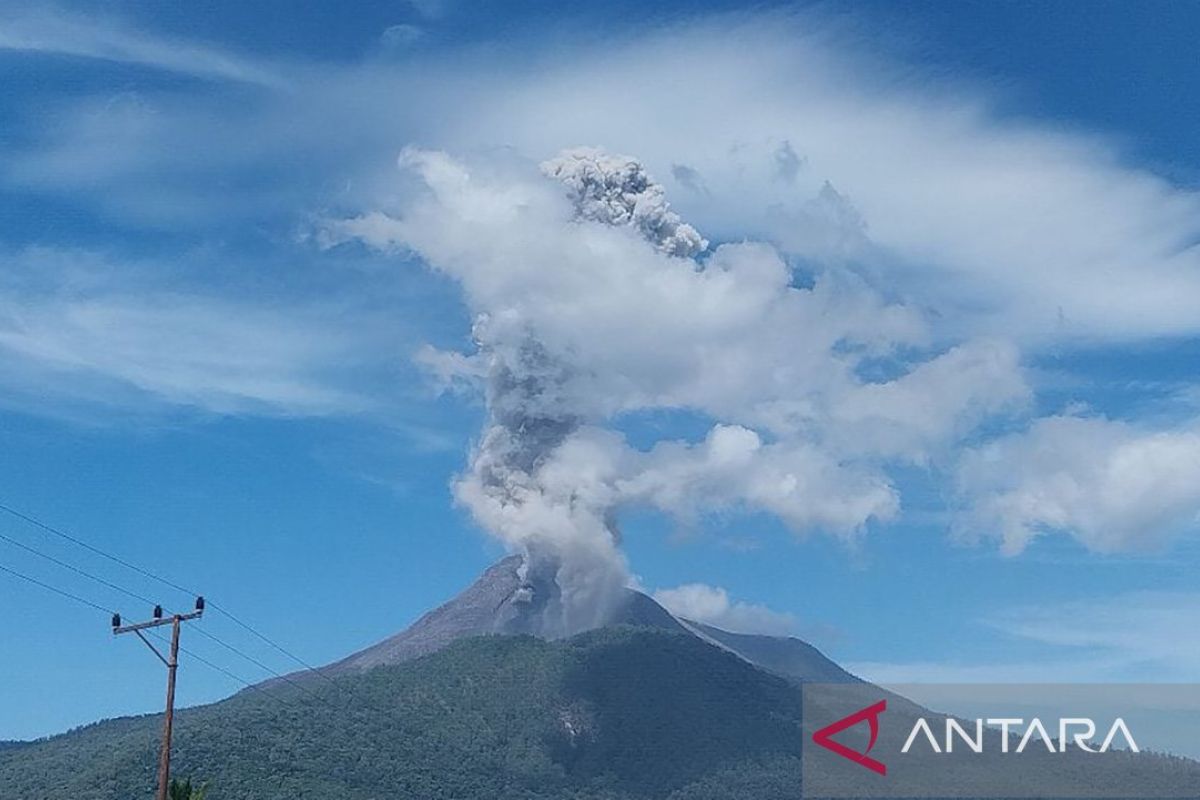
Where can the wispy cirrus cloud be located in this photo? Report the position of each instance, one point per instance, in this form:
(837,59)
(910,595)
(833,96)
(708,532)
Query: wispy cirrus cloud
(58,32)
(181,350)
(1145,631)
(922,185)
(1131,636)
(78,326)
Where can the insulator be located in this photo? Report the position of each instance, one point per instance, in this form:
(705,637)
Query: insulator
(200,603)
(116,620)
(158,612)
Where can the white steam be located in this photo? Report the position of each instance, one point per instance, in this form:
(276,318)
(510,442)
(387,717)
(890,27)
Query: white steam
(712,605)
(598,302)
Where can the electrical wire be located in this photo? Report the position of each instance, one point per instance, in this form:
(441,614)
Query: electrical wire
(148,574)
(218,668)
(258,688)
(56,590)
(63,535)
(200,659)
(261,665)
(76,570)
(135,595)
(315,670)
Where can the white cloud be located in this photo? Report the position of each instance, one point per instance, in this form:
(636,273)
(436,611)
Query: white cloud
(1112,485)
(1150,628)
(735,340)
(430,9)
(401,37)
(935,404)
(1141,636)
(730,470)
(1006,226)
(77,327)
(61,33)
(712,605)
(1003,227)
(210,355)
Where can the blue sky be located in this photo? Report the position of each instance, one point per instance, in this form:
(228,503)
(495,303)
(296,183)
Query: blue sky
(215,362)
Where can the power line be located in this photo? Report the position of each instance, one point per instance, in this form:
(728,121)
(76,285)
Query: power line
(150,602)
(62,534)
(137,596)
(76,570)
(297,659)
(56,590)
(90,604)
(171,584)
(218,668)
(175,647)
(171,662)
(261,665)
(148,574)
(123,590)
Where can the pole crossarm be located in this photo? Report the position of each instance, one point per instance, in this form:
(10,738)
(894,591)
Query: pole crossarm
(154,623)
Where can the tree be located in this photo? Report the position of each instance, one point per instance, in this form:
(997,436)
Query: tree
(182,790)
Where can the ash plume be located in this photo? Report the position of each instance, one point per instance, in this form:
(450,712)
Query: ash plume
(564,543)
(616,190)
(592,300)
(573,570)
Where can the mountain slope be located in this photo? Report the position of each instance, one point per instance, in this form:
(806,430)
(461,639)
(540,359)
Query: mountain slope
(786,656)
(615,713)
(500,601)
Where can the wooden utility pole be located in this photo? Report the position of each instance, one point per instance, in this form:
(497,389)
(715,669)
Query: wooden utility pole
(164,760)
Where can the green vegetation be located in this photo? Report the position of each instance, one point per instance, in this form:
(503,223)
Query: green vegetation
(183,790)
(616,714)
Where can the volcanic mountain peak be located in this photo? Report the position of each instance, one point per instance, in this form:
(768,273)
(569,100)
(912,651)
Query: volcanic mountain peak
(500,601)
(504,601)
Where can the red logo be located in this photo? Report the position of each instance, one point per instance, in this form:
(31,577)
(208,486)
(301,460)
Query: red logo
(871,714)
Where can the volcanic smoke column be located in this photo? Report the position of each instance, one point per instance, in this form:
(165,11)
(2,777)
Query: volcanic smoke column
(593,301)
(574,572)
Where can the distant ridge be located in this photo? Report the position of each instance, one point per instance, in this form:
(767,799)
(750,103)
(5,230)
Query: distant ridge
(785,656)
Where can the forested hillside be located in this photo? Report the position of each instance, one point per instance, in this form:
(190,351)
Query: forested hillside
(616,713)
(619,713)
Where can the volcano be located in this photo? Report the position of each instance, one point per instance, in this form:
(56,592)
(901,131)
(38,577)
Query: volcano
(472,702)
(502,601)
